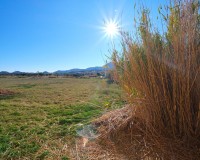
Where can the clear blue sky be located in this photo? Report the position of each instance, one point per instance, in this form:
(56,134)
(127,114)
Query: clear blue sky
(50,35)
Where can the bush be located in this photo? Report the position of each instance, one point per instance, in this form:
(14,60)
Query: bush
(161,74)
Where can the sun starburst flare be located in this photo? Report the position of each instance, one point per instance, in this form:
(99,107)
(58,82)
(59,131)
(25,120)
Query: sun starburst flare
(111,28)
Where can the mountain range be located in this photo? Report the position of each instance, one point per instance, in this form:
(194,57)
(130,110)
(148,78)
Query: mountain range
(108,66)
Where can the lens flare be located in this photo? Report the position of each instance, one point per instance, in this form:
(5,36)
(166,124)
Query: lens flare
(111,29)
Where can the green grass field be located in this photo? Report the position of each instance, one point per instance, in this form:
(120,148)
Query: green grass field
(40,120)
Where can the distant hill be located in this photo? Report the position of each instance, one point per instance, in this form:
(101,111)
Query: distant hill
(97,69)
(76,70)
(71,71)
(17,72)
(45,72)
(4,73)
(109,65)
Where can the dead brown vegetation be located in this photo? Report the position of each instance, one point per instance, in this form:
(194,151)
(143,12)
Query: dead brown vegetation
(4,92)
(160,75)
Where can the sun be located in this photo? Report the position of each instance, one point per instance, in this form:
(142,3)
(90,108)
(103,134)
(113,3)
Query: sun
(111,29)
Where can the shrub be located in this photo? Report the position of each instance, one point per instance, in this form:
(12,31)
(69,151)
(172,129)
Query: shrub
(161,74)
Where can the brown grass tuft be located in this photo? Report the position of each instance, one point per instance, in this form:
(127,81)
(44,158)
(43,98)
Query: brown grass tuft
(160,75)
(4,92)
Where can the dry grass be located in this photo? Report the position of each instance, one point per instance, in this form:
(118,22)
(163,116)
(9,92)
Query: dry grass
(40,120)
(4,92)
(160,75)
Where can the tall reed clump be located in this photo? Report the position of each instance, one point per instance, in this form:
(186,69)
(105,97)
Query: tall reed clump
(161,74)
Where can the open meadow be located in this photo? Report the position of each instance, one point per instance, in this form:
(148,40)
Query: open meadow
(40,115)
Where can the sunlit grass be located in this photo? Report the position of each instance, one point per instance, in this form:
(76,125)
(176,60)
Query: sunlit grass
(44,114)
